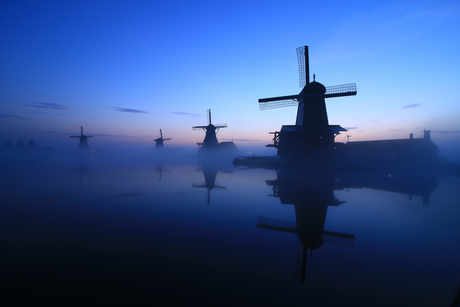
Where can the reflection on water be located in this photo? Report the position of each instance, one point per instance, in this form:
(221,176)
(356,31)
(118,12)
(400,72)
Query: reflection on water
(311,193)
(210,171)
(104,230)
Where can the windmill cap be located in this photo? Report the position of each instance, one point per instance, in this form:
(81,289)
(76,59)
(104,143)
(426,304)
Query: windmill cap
(316,88)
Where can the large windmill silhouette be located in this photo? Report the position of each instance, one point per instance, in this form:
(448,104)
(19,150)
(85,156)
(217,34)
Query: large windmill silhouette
(83,144)
(159,141)
(311,135)
(210,139)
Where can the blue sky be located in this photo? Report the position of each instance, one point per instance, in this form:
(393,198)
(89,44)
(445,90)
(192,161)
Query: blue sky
(125,69)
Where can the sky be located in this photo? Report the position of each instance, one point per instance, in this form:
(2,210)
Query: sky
(125,69)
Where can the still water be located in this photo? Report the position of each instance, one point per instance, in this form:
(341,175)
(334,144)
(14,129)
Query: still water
(105,230)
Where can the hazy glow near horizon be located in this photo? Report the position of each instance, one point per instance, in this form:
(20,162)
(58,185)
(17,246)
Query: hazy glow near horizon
(125,70)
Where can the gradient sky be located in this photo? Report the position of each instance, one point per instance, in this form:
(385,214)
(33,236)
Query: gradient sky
(125,69)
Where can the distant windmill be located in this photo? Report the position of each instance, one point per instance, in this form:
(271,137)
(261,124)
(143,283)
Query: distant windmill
(83,144)
(211,130)
(312,132)
(159,141)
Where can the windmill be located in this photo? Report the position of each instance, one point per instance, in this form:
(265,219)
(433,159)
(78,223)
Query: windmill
(311,135)
(210,139)
(83,144)
(159,141)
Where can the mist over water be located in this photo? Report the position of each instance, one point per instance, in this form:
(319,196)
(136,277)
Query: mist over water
(170,226)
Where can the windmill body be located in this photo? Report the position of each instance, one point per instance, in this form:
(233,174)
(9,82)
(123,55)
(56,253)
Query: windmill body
(83,143)
(211,135)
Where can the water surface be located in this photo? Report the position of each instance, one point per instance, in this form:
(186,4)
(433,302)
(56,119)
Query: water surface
(103,229)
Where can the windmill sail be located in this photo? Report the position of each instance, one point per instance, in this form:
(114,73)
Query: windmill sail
(304,70)
(278,102)
(340,90)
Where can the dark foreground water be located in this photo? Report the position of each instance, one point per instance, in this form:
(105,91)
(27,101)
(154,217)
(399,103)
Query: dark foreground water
(137,230)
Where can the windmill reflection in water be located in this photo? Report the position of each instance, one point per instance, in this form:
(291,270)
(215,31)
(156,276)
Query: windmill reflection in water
(311,195)
(311,191)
